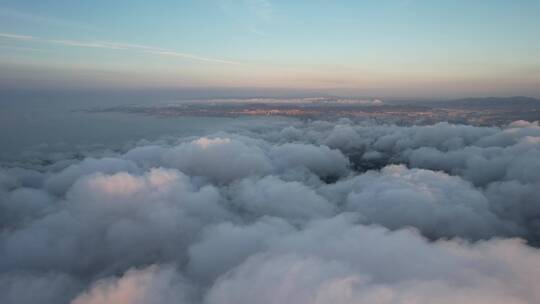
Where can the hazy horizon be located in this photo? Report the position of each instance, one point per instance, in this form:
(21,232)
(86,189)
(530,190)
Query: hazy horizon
(193,93)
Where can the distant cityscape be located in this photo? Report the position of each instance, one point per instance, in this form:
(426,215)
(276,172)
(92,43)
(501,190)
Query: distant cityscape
(472,111)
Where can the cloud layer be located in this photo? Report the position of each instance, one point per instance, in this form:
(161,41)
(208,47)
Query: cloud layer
(313,212)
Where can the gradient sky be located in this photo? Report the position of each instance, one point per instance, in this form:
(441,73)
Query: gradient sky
(430,48)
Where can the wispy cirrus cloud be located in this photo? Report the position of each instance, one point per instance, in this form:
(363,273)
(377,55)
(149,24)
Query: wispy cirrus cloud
(97,45)
(142,48)
(16,37)
(190,56)
(153,50)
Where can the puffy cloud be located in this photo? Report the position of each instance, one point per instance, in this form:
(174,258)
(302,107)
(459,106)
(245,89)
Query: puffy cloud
(345,137)
(523,124)
(111,222)
(275,197)
(225,245)
(151,285)
(430,201)
(30,288)
(484,165)
(320,160)
(6,181)
(304,212)
(518,203)
(360,264)
(60,182)
(23,205)
(219,159)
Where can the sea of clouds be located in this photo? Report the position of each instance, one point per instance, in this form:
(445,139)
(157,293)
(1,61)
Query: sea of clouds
(305,212)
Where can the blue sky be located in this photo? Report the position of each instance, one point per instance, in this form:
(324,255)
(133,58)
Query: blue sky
(384,48)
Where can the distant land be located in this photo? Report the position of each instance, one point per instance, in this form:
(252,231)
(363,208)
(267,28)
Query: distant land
(488,111)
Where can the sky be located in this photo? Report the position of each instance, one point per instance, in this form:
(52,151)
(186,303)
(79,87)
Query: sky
(371,48)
